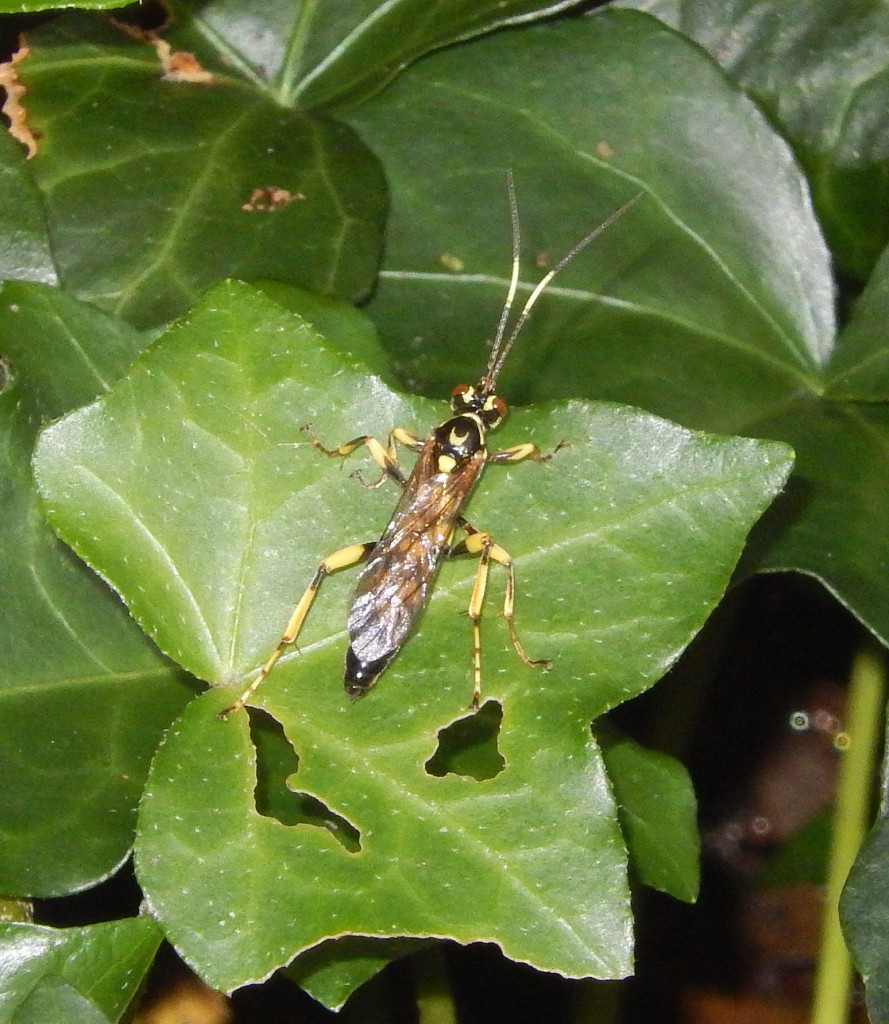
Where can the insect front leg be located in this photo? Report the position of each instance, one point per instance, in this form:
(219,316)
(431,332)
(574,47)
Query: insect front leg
(341,559)
(385,457)
(482,544)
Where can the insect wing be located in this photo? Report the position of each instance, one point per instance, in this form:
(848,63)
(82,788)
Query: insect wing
(394,586)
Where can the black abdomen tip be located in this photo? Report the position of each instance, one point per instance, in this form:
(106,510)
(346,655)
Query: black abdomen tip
(360,676)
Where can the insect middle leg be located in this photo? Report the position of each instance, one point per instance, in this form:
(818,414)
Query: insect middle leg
(482,544)
(341,559)
(528,450)
(385,457)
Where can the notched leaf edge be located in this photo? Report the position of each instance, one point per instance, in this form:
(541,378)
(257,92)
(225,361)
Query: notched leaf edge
(176,65)
(13,108)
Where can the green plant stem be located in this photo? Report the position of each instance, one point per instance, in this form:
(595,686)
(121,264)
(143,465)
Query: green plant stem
(435,1001)
(596,1002)
(833,982)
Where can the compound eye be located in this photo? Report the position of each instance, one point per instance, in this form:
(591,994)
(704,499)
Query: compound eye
(495,410)
(461,397)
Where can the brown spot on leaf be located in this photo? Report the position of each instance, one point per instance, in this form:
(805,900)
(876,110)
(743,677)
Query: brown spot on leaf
(181,66)
(176,65)
(604,150)
(269,199)
(13,107)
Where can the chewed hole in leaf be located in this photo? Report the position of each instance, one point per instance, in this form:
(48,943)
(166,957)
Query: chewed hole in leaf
(276,761)
(147,16)
(468,746)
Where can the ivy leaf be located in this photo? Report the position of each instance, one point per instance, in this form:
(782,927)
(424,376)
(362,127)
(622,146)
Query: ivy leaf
(84,696)
(863,911)
(57,1000)
(181,182)
(713,291)
(24,247)
(710,302)
(658,813)
(208,513)
(331,972)
(83,975)
(329,54)
(859,370)
(819,71)
(32,6)
(834,506)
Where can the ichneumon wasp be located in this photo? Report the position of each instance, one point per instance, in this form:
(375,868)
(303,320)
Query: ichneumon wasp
(400,568)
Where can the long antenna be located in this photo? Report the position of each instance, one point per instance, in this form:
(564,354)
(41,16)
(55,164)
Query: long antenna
(500,349)
(516,259)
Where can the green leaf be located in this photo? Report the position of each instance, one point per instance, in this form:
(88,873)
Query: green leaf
(820,72)
(351,329)
(658,813)
(331,54)
(57,1000)
(181,579)
(30,6)
(830,522)
(863,913)
(66,351)
(714,290)
(209,513)
(860,368)
(84,697)
(24,247)
(710,302)
(148,183)
(331,972)
(83,975)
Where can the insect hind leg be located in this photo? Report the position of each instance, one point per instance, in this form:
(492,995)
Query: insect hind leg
(342,559)
(482,544)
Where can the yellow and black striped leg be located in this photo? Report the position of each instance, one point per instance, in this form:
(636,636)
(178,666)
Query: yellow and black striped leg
(483,545)
(385,457)
(520,452)
(341,559)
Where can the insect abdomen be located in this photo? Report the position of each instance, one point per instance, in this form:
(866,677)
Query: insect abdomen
(396,582)
(378,626)
(360,675)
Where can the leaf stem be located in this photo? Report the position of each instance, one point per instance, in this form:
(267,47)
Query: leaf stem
(833,983)
(292,66)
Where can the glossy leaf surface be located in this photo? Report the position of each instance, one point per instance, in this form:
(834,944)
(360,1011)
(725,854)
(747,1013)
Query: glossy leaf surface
(84,696)
(212,413)
(84,975)
(331,54)
(181,182)
(821,71)
(711,300)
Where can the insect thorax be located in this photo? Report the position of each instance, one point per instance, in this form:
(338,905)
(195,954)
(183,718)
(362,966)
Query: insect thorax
(457,440)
